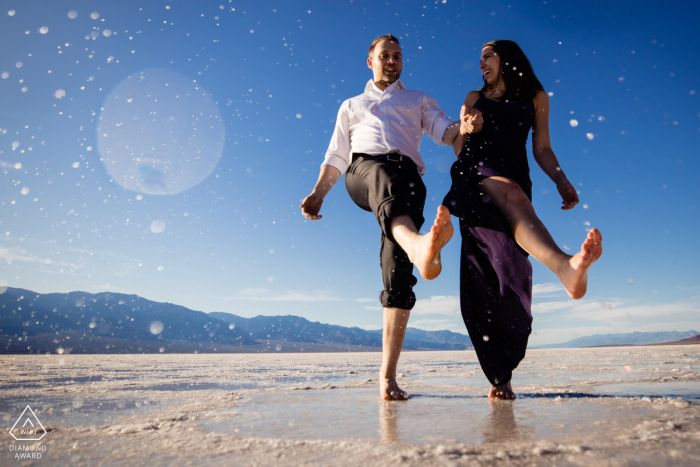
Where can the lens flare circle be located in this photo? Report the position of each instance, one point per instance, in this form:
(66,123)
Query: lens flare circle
(160,133)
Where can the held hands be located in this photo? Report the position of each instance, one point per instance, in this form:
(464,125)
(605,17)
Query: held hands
(311,206)
(568,195)
(471,120)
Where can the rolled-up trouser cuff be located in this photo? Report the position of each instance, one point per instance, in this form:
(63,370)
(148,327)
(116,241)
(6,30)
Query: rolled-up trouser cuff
(404,300)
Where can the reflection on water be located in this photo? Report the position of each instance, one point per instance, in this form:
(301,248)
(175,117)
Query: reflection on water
(500,425)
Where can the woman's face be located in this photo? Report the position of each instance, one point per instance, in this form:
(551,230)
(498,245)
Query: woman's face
(490,66)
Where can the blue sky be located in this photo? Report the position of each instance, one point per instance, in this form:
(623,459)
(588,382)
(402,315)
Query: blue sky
(257,86)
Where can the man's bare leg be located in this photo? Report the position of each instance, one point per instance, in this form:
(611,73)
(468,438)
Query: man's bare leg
(502,392)
(395,322)
(533,236)
(424,250)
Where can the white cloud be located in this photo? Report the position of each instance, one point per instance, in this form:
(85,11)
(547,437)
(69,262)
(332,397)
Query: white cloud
(441,304)
(547,288)
(265,295)
(439,325)
(372,308)
(365,300)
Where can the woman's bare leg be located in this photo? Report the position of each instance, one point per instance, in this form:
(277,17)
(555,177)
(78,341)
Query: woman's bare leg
(533,236)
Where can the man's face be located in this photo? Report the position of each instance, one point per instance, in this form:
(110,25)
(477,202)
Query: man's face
(386,61)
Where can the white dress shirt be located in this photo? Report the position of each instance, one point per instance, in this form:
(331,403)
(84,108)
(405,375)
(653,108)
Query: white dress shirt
(381,122)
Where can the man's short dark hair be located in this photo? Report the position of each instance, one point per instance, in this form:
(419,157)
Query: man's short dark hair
(385,37)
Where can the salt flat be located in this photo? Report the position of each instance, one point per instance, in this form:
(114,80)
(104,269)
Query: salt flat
(598,406)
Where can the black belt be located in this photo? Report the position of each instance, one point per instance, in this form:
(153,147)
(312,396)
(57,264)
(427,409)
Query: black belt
(391,157)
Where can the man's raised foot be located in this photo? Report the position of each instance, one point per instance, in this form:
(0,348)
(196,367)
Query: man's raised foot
(426,253)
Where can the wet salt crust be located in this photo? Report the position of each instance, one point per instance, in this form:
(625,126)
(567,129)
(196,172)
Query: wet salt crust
(603,406)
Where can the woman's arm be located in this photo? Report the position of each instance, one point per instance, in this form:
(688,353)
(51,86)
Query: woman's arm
(542,151)
(461,138)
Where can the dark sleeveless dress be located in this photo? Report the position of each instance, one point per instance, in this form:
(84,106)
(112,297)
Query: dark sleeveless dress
(495,273)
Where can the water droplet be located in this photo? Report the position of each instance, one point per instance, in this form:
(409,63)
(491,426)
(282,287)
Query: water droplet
(162,349)
(621,78)
(60,94)
(278,347)
(165,155)
(76,165)
(601,119)
(160,268)
(157,226)
(298,115)
(11,12)
(72,14)
(43,30)
(18,165)
(139,197)
(15,144)
(94,15)
(270,278)
(486,338)
(156,327)
(107,32)
(60,350)
(573,122)
(5,75)
(25,190)
(19,64)
(79,303)
(110,59)
(231,326)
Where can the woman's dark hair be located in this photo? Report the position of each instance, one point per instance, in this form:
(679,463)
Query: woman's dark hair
(518,75)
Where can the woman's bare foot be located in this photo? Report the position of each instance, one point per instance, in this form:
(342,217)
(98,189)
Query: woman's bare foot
(426,251)
(389,390)
(575,279)
(503,392)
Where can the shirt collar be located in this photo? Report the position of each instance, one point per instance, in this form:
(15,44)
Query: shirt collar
(398,84)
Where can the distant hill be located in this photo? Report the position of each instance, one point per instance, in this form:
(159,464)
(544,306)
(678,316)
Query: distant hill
(296,329)
(81,322)
(632,338)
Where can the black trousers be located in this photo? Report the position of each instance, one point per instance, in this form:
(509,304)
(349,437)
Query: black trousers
(389,186)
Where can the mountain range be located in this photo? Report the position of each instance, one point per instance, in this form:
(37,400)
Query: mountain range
(631,338)
(82,322)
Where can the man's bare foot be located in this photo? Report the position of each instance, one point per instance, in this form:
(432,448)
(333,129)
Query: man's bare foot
(575,279)
(426,253)
(503,392)
(389,390)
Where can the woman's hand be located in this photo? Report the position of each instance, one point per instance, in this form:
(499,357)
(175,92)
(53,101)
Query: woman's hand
(568,195)
(471,120)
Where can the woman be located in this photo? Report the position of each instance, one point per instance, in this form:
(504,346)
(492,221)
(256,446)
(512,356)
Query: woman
(491,194)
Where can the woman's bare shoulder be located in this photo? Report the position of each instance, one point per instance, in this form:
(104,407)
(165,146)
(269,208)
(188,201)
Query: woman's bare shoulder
(471,98)
(541,99)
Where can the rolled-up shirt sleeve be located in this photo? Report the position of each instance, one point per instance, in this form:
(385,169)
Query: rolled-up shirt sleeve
(338,153)
(434,120)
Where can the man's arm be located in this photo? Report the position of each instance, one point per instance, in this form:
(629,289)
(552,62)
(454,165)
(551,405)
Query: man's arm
(336,162)
(312,204)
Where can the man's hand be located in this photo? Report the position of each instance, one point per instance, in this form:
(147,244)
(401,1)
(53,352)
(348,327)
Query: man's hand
(311,206)
(568,195)
(471,120)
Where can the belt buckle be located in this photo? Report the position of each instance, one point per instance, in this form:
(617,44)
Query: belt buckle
(394,157)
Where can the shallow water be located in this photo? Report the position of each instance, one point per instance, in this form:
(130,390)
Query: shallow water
(607,406)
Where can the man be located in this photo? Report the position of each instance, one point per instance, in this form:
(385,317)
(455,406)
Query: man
(376,140)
